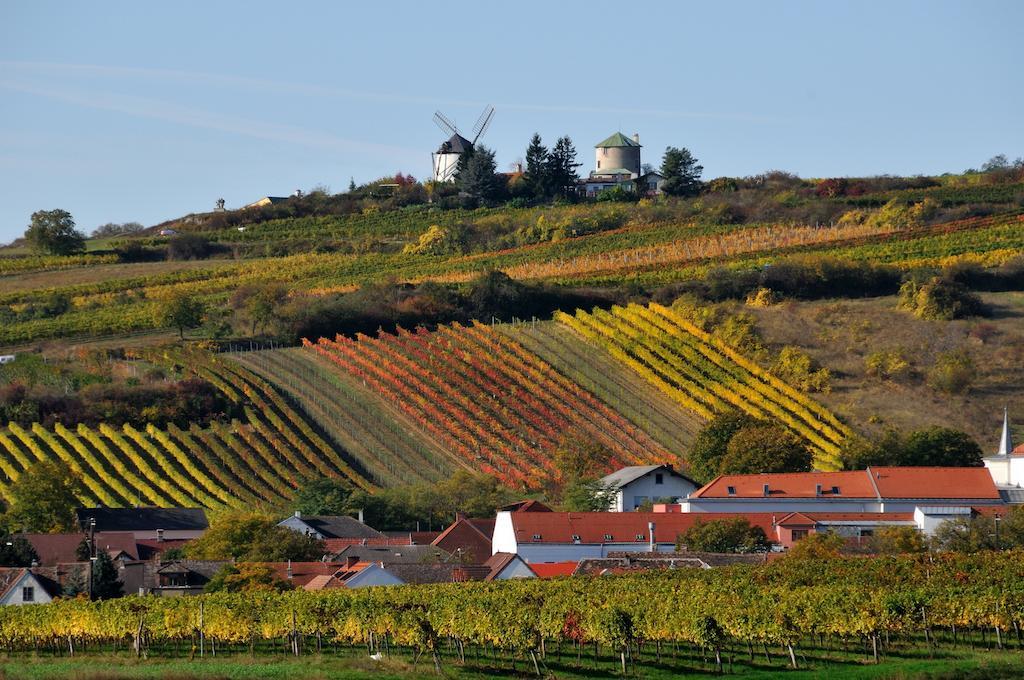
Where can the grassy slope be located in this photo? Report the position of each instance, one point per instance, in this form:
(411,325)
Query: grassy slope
(840,334)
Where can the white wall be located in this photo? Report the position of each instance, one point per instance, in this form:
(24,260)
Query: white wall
(1006,470)
(573,552)
(373,575)
(14,595)
(515,569)
(504,538)
(645,487)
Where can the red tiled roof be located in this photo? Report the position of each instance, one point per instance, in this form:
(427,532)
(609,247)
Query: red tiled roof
(553,569)
(526,506)
(887,482)
(934,482)
(304,572)
(852,484)
(55,548)
(623,527)
(802,518)
(152,548)
(469,537)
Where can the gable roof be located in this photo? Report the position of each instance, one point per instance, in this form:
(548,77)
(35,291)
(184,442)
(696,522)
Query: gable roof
(468,537)
(877,483)
(337,526)
(553,569)
(56,548)
(934,482)
(404,554)
(437,573)
(627,475)
(525,506)
(622,527)
(144,519)
(617,139)
(49,579)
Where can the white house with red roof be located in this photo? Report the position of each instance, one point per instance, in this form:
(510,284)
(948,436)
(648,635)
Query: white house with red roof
(874,490)
(636,485)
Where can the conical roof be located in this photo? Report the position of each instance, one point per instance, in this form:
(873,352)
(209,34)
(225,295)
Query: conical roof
(618,139)
(1005,441)
(456,144)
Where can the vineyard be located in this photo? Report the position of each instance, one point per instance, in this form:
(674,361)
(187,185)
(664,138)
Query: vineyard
(492,404)
(706,376)
(258,462)
(775,615)
(649,252)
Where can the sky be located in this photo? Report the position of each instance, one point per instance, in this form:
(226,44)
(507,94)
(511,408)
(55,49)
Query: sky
(140,111)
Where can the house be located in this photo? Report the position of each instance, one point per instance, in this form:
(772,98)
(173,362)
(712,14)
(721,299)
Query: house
(639,484)
(366,575)
(39,585)
(469,540)
(572,536)
(437,573)
(650,183)
(331,527)
(631,562)
(145,523)
(874,490)
(547,570)
(20,585)
(399,554)
(525,506)
(616,164)
(172,579)
(855,527)
(506,566)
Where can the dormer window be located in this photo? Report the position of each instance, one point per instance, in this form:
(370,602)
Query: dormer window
(607,537)
(731,490)
(536,537)
(640,537)
(835,490)
(576,538)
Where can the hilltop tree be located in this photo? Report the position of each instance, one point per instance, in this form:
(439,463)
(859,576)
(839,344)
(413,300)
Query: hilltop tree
(478,175)
(180,310)
(561,167)
(681,172)
(705,458)
(537,177)
(53,232)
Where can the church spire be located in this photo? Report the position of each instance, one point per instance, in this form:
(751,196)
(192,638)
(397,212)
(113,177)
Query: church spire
(1005,443)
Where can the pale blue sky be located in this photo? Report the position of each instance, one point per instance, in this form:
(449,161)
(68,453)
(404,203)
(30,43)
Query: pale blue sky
(143,111)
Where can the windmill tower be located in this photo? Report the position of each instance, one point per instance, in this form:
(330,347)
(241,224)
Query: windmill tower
(446,158)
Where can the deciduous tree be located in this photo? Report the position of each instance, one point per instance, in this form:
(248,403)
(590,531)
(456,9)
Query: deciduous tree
(53,232)
(180,310)
(44,499)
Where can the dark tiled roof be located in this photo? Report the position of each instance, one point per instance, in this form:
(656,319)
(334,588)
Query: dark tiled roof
(396,554)
(144,519)
(55,548)
(438,573)
(340,526)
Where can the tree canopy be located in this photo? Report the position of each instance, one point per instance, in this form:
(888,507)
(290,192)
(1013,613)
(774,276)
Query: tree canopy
(681,172)
(254,538)
(765,448)
(44,499)
(53,232)
(934,446)
(247,577)
(709,447)
(733,535)
(180,310)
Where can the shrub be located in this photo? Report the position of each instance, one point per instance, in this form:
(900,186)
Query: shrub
(762,297)
(888,364)
(796,367)
(188,247)
(734,535)
(740,331)
(953,372)
(939,298)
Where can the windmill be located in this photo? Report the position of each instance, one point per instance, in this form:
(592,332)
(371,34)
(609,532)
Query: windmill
(446,158)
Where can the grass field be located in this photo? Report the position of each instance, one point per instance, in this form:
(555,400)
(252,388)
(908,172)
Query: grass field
(961,664)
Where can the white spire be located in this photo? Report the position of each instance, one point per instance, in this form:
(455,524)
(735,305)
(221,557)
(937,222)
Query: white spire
(1005,443)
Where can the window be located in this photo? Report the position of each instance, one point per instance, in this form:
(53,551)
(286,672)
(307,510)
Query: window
(576,538)
(731,490)
(659,478)
(835,490)
(28,594)
(599,165)
(867,532)
(607,537)
(536,537)
(640,537)
(799,533)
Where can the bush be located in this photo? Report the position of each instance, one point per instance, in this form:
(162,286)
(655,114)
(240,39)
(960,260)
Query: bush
(796,367)
(953,372)
(939,298)
(734,535)
(188,247)
(887,365)
(762,297)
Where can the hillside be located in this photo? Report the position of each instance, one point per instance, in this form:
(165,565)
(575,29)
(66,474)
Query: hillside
(385,344)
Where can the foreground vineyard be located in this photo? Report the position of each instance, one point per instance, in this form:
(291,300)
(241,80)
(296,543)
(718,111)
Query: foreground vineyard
(787,605)
(494,405)
(706,376)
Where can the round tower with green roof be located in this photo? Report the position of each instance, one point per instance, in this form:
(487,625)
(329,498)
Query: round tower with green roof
(618,154)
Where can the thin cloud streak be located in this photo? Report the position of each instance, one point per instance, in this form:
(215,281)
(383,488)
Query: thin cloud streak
(259,84)
(169,112)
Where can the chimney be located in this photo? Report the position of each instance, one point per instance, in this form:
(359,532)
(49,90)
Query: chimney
(650,536)
(817,489)
(459,516)
(289,570)
(351,561)
(298,514)
(636,137)
(361,516)
(159,535)
(767,491)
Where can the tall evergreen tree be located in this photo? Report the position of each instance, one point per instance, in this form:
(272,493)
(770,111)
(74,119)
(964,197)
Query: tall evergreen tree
(681,172)
(562,167)
(537,177)
(478,176)
(105,584)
